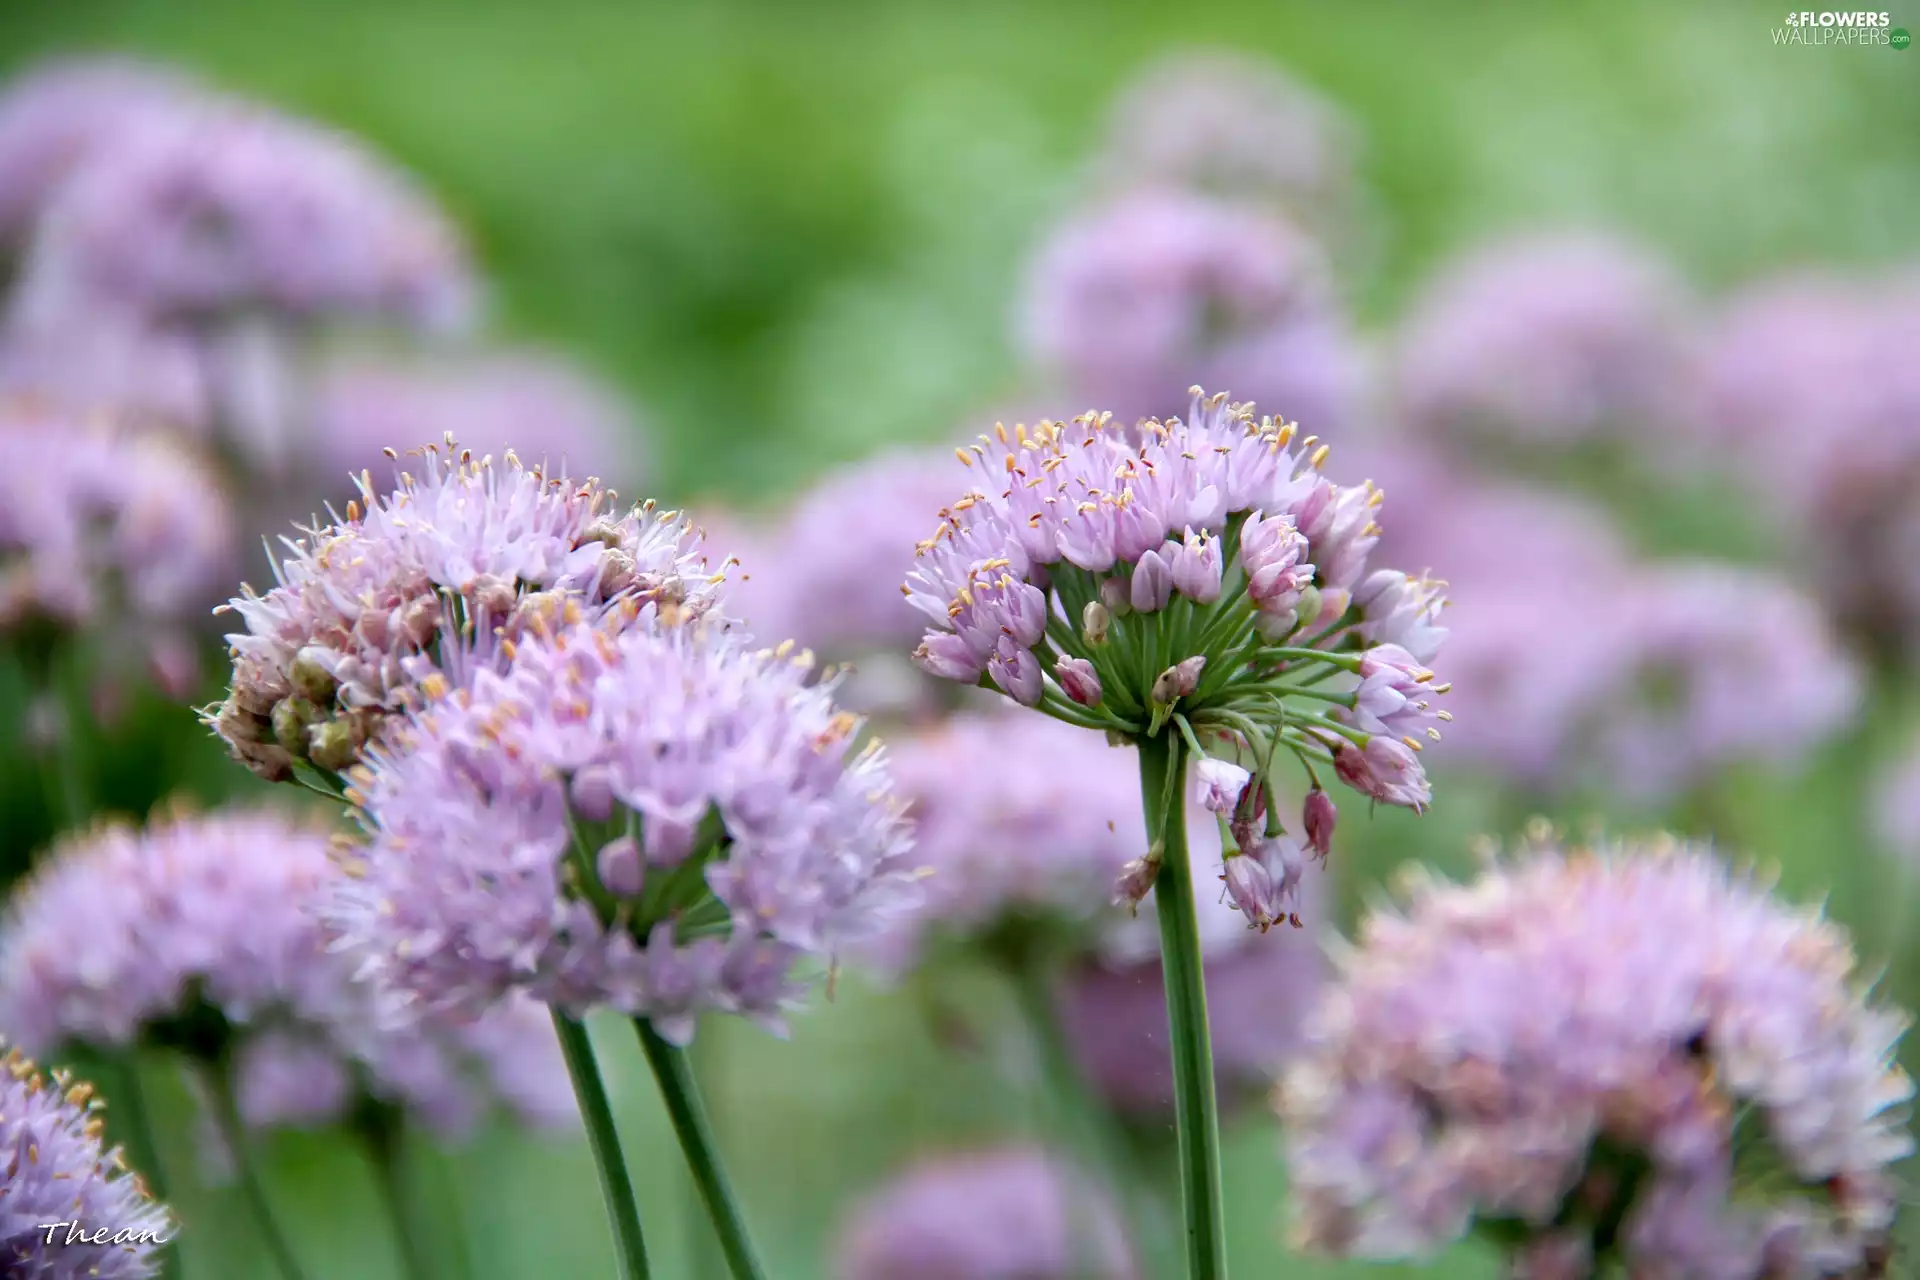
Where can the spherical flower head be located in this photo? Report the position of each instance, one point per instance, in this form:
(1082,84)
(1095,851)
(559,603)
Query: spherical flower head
(1636,1045)
(1237,126)
(58,1172)
(663,822)
(576,426)
(1139,297)
(54,118)
(105,365)
(1204,570)
(105,528)
(1040,843)
(1728,665)
(378,609)
(1011,1214)
(1546,341)
(197,215)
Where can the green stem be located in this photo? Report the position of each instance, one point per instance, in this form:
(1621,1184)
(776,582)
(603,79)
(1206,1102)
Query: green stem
(129,1103)
(382,1129)
(702,1243)
(682,1096)
(226,1117)
(1196,1112)
(616,1188)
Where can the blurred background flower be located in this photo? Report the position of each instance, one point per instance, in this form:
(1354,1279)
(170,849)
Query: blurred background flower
(1616,304)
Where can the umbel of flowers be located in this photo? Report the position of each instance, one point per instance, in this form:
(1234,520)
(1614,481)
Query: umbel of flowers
(374,608)
(1200,589)
(1632,1056)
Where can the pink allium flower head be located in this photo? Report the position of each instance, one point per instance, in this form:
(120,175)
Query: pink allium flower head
(104,527)
(1241,127)
(767,838)
(1546,340)
(1810,385)
(56,117)
(1133,301)
(1637,1045)
(369,609)
(1012,1214)
(556,415)
(204,935)
(205,213)
(58,1171)
(112,365)
(1726,665)
(1074,523)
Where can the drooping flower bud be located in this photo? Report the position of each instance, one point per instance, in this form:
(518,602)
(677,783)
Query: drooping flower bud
(1385,769)
(1152,584)
(1078,680)
(1221,784)
(1136,880)
(1250,889)
(1317,818)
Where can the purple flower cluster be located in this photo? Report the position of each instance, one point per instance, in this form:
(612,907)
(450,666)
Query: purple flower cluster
(1011,1214)
(1112,577)
(1546,341)
(1135,300)
(108,528)
(57,1170)
(217,917)
(579,428)
(661,821)
(217,207)
(370,611)
(1635,1049)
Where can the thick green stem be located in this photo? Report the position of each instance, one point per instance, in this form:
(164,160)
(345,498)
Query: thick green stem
(689,1117)
(233,1132)
(703,1247)
(616,1188)
(1196,1112)
(383,1130)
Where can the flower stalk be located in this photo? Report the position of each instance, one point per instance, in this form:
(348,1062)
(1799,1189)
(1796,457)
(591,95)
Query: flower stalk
(597,1115)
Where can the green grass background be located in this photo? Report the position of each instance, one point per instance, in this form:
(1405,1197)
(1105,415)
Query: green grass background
(792,232)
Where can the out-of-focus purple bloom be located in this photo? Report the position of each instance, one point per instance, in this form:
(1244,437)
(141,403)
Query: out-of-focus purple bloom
(203,213)
(1897,807)
(1048,837)
(1810,385)
(1638,1032)
(1726,665)
(1241,127)
(464,555)
(1134,301)
(1545,341)
(112,366)
(1013,1214)
(556,416)
(727,762)
(106,528)
(55,118)
(223,910)
(58,1174)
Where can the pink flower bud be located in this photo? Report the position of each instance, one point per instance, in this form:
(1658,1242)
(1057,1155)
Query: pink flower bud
(1197,567)
(1136,880)
(620,867)
(1016,671)
(1152,583)
(1078,680)
(1317,817)
(1250,890)
(1385,769)
(1221,783)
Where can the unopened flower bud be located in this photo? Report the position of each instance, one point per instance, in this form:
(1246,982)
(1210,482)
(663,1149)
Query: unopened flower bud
(1317,818)
(1152,585)
(1180,679)
(1197,567)
(1221,784)
(1078,680)
(309,678)
(620,867)
(333,744)
(292,718)
(1016,671)
(1385,769)
(1136,880)
(1309,605)
(1250,889)
(591,793)
(1095,621)
(1116,595)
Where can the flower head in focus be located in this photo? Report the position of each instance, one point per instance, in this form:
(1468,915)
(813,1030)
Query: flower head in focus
(370,610)
(1202,573)
(1634,1051)
(203,936)
(664,822)
(993,1215)
(58,1170)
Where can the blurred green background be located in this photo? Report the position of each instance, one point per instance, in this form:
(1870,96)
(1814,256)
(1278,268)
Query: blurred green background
(793,232)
